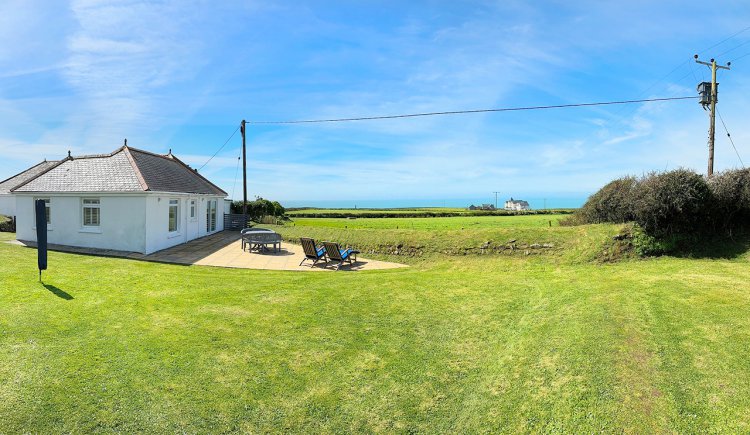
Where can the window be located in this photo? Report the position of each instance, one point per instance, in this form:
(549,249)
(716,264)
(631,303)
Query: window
(46,210)
(91,215)
(211,215)
(192,209)
(174,215)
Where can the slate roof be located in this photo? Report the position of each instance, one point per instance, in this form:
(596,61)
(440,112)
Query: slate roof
(22,177)
(124,170)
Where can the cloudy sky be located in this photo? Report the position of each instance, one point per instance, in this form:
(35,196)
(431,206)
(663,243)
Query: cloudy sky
(83,75)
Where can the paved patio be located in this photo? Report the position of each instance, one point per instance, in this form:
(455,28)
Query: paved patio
(224,249)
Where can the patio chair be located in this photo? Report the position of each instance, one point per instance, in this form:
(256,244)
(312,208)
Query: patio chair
(338,255)
(312,252)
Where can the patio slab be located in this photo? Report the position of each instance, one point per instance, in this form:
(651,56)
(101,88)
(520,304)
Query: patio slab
(224,249)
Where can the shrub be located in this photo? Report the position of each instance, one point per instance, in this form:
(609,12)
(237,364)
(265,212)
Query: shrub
(731,193)
(259,208)
(612,203)
(646,245)
(670,203)
(7,226)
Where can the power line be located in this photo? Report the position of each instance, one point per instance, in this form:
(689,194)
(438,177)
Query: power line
(732,49)
(725,40)
(738,58)
(730,139)
(460,112)
(236,170)
(220,148)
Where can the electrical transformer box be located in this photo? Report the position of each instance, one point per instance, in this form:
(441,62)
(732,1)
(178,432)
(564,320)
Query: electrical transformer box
(704,90)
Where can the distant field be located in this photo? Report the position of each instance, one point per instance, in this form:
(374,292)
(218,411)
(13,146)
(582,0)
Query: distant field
(412,212)
(376,210)
(406,238)
(434,223)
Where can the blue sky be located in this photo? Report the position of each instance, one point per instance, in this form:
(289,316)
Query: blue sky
(83,75)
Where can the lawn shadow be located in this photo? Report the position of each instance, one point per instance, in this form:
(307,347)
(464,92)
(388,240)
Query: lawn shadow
(718,248)
(62,294)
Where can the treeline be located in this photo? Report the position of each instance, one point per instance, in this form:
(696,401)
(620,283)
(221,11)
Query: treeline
(259,209)
(673,205)
(420,214)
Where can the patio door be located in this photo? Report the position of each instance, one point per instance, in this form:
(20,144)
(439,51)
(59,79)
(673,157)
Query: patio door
(192,219)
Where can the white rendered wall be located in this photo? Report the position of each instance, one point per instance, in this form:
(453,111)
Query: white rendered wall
(158,236)
(122,222)
(7,204)
(136,223)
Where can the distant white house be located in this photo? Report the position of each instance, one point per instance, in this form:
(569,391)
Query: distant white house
(7,200)
(517,205)
(129,200)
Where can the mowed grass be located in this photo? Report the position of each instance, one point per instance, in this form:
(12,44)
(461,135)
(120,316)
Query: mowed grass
(455,344)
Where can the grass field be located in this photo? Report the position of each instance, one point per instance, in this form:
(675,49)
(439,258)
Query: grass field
(434,223)
(464,235)
(460,344)
(376,210)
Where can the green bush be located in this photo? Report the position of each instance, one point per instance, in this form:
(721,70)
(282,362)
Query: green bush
(731,193)
(259,208)
(646,245)
(7,226)
(612,203)
(670,203)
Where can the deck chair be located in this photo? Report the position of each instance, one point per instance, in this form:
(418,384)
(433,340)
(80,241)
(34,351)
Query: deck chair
(312,252)
(338,255)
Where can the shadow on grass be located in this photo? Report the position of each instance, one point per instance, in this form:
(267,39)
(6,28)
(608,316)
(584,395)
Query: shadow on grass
(62,294)
(726,248)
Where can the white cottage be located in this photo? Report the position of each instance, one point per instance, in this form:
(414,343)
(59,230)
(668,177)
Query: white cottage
(517,205)
(7,200)
(129,200)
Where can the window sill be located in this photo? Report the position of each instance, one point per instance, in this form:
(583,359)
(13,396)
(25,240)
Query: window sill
(90,230)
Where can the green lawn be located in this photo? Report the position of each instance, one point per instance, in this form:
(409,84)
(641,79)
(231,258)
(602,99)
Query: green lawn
(452,344)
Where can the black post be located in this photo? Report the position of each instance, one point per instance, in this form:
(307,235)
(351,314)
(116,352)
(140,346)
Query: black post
(41,235)
(244,177)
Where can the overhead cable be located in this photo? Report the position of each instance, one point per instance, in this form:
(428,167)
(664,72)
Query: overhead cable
(460,112)
(220,148)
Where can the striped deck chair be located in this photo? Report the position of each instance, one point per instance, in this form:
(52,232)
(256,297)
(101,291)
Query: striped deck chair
(338,255)
(312,252)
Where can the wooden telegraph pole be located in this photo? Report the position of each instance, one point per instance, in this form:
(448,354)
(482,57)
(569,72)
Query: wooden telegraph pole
(712,104)
(244,176)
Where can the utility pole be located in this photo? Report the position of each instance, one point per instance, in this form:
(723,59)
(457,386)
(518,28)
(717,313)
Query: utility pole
(495,198)
(712,103)
(244,176)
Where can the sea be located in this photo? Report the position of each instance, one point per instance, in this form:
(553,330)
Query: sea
(534,203)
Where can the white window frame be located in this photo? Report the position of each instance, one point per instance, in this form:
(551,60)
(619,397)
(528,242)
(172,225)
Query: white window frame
(91,205)
(173,202)
(193,210)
